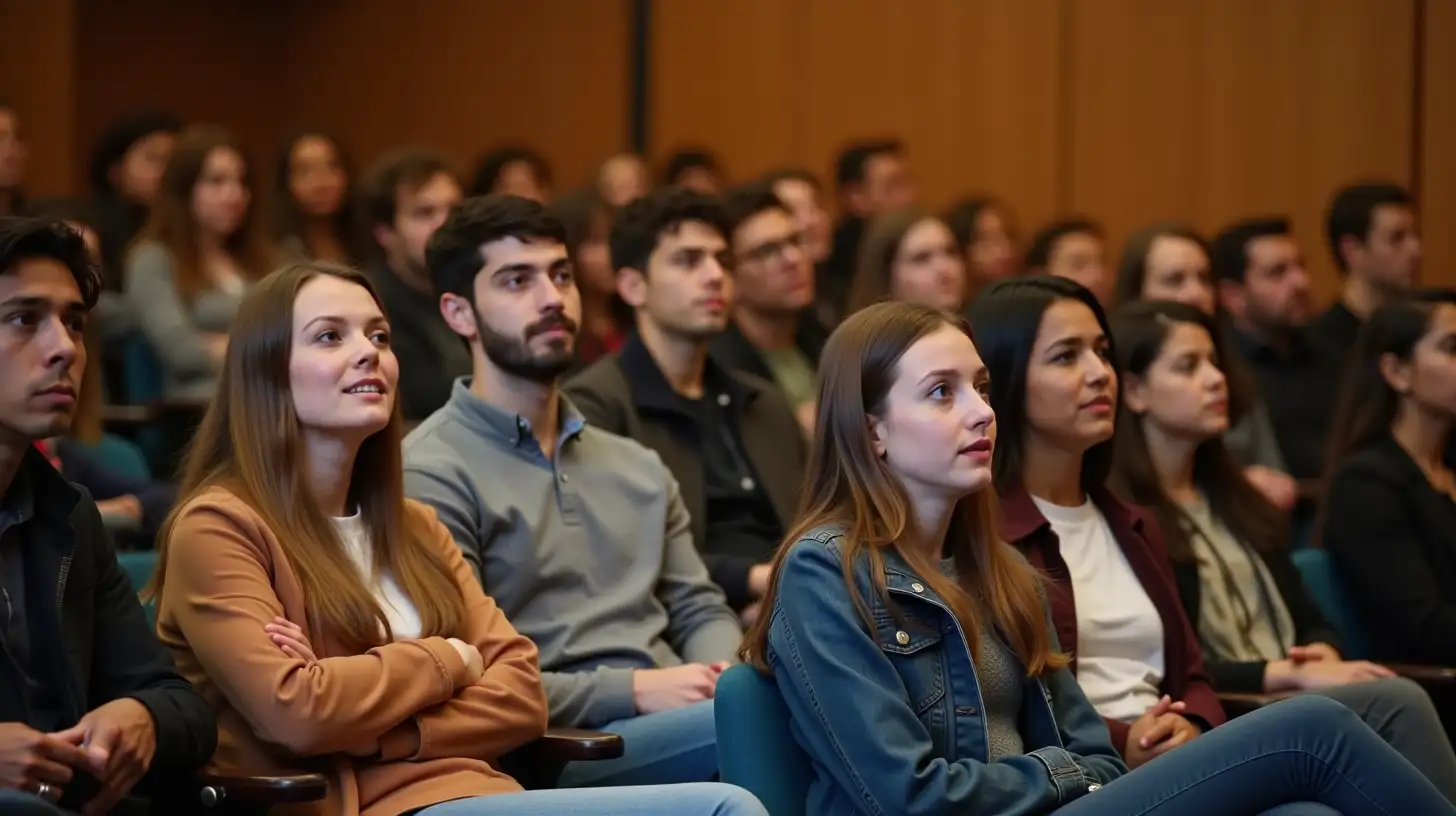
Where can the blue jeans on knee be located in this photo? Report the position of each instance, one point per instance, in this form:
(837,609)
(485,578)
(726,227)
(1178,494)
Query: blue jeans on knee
(20,803)
(698,799)
(664,748)
(1307,754)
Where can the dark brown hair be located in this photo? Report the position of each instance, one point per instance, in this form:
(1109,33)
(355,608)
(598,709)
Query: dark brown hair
(874,266)
(173,225)
(250,443)
(849,486)
(1141,329)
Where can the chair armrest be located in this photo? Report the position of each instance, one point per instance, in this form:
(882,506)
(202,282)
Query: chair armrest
(216,788)
(575,745)
(1424,674)
(1236,704)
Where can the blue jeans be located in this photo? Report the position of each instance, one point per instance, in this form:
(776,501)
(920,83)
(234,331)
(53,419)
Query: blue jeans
(664,748)
(697,799)
(1306,755)
(20,803)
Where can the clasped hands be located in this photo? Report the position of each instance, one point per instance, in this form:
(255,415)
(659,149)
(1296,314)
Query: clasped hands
(114,743)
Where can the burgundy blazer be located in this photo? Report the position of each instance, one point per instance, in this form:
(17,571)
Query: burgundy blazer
(1184,677)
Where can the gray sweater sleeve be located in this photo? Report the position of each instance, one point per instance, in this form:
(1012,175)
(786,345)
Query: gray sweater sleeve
(164,318)
(701,627)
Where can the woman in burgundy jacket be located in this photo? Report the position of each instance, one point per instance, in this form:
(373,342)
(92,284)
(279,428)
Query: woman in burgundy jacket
(1113,600)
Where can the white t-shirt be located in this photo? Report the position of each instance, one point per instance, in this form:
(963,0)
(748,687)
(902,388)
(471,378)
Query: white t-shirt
(404,619)
(1120,661)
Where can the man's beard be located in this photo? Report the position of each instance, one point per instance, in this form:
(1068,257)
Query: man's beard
(514,356)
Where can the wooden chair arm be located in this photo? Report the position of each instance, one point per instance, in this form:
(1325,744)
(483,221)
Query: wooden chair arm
(1237,705)
(215,789)
(1426,675)
(576,745)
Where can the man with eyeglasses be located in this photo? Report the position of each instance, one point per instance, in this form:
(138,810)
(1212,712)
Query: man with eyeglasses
(774,334)
(729,438)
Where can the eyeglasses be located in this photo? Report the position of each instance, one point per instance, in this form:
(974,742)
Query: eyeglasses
(769,250)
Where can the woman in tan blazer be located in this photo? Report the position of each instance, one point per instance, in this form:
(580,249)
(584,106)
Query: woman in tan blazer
(332,624)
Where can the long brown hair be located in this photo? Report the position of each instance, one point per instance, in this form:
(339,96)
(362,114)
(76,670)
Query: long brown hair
(850,487)
(875,263)
(250,443)
(1141,329)
(173,225)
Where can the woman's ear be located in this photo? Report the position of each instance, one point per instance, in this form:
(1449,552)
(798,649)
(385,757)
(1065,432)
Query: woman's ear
(1134,394)
(1396,373)
(876,426)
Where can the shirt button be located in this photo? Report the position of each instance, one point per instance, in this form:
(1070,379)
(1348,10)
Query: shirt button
(723,399)
(565,478)
(1094,786)
(918,587)
(902,638)
(746,484)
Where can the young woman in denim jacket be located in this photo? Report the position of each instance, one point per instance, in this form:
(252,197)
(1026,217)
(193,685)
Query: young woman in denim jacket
(912,646)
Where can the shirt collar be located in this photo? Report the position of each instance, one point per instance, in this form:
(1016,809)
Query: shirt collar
(506,426)
(1020,517)
(651,390)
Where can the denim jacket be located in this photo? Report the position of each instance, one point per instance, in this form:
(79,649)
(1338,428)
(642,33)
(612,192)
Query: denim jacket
(892,718)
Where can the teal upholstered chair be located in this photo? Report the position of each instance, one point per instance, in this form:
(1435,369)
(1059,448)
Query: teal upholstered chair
(756,750)
(120,455)
(1326,586)
(139,566)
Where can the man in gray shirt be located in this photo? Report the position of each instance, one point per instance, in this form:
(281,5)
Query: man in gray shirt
(580,536)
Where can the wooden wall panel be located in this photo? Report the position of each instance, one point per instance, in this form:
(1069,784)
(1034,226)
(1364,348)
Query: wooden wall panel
(1221,108)
(466,75)
(38,77)
(219,63)
(728,75)
(1437,184)
(971,85)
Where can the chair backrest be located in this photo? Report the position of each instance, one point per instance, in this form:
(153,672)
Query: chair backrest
(1326,586)
(139,567)
(143,381)
(122,456)
(756,749)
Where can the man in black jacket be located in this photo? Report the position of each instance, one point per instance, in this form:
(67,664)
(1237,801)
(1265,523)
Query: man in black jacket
(92,705)
(730,439)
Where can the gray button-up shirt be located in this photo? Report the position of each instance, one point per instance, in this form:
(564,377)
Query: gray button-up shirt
(589,552)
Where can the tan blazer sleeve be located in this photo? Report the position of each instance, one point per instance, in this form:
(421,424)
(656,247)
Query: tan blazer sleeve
(219,593)
(505,708)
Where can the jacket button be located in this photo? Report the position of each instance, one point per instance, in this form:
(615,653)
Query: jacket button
(1094,786)
(902,638)
(918,587)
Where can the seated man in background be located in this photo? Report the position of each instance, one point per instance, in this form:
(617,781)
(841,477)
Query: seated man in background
(730,439)
(404,197)
(774,334)
(579,535)
(93,703)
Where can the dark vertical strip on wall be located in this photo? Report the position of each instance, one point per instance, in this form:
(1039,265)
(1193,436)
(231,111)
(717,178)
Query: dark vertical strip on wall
(639,75)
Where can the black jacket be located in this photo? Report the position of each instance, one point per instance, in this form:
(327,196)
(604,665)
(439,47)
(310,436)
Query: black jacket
(734,351)
(1394,539)
(1309,625)
(626,394)
(79,598)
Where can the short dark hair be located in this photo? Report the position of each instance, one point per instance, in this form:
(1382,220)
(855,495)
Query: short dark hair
(453,254)
(24,239)
(962,217)
(1352,209)
(410,166)
(490,166)
(640,225)
(792,174)
(1039,254)
(855,158)
(692,158)
(1228,254)
(744,202)
(119,137)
